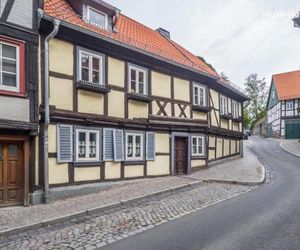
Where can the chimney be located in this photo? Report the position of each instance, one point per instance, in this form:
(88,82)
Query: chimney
(164,33)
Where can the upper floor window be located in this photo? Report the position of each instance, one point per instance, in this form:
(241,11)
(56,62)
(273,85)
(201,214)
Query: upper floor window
(87,145)
(9,67)
(273,94)
(198,146)
(97,17)
(134,146)
(199,95)
(235,109)
(223,105)
(91,67)
(289,105)
(137,80)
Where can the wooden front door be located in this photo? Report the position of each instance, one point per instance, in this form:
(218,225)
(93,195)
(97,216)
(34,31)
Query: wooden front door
(181,154)
(11,173)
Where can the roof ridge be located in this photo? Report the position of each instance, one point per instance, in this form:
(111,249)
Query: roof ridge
(283,73)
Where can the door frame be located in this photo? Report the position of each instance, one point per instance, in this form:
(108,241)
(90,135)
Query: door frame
(26,157)
(188,164)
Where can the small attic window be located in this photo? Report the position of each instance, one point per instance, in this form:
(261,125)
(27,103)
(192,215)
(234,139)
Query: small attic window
(97,18)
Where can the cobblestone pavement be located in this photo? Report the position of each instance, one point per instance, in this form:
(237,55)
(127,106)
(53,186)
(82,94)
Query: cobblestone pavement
(97,230)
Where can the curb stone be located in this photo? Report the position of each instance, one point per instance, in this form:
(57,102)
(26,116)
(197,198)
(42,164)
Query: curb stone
(280,144)
(88,212)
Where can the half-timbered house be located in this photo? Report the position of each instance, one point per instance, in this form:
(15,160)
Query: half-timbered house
(126,101)
(284,105)
(18,107)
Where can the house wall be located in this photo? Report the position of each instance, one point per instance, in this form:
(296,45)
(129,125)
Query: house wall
(173,93)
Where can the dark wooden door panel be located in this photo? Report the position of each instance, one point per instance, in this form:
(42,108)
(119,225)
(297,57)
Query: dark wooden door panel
(181,155)
(11,173)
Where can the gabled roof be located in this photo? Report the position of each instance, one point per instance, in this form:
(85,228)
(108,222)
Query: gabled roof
(132,33)
(287,85)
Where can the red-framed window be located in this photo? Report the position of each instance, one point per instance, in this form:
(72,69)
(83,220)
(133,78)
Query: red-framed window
(12,66)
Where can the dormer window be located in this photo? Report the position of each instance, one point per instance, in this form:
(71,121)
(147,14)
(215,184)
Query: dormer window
(97,18)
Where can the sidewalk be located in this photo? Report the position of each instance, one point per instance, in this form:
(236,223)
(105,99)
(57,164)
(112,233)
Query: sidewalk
(291,146)
(244,170)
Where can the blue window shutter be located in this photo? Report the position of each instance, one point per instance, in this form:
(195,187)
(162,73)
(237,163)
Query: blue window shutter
(118,145)
(64,143)
(108,145)
(150,146)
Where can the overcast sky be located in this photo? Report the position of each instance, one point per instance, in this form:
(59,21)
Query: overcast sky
(238,37)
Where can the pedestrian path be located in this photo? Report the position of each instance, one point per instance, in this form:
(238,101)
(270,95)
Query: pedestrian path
(244,170)
(291,146)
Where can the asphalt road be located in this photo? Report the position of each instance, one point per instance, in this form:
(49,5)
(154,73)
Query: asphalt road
(266,218)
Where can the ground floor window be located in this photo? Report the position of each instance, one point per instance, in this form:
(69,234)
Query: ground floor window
(134,146)
(198,146)
(87,145)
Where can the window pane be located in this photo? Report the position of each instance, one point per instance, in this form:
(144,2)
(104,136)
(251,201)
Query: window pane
(9,80)
(133,80)
(85,61)
(96,77)
(201,96)
(93,145)
(138,146)
(9,65)
(97,18)
(196,96)
(96,63)
(141,88)
(129,146)
(82,145)
(200,148)
(12,150)
(9,51)
(84,74)
(194,149)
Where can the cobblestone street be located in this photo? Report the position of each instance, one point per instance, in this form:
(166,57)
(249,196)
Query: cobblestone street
(104,228)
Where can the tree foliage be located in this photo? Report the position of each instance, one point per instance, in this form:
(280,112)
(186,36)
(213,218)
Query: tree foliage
(256,89)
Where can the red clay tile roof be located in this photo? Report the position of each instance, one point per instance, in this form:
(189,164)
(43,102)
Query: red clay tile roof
(131,33)
(287,85)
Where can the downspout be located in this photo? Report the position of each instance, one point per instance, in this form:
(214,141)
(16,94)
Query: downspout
(56,24)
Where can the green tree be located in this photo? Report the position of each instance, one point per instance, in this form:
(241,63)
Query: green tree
(224,77)
(256,89)
(296,20)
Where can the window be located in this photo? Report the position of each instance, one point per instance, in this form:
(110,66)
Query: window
(197,145)
(199,95)
(87,145)
(289,105)
(134,146)
(91,67)
(273,94)
(235,109)
(97,18)
(223,105)
(9,67)
(137,80)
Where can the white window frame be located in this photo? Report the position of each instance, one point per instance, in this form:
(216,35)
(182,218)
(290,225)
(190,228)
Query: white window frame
(9,88)
(91,56)
(99,12)
(134,147)
(223,105)
(137,71)
(289,105)
(87,146)
(197,137)
(235,109)
(199,87)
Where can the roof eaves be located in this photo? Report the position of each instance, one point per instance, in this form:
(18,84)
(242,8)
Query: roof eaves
(105,38)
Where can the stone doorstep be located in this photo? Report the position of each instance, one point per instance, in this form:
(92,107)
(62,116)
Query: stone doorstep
(21,229)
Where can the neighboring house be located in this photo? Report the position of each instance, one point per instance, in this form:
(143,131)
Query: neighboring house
(18,108)
(260,127)
(128,102)
(283,105)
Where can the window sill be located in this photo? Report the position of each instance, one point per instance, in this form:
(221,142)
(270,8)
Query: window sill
(86,164)
(238,119)
(92,87)
(139,97)
(201,108)
(226,117)
(199,157)
(134,163)
(12,93)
